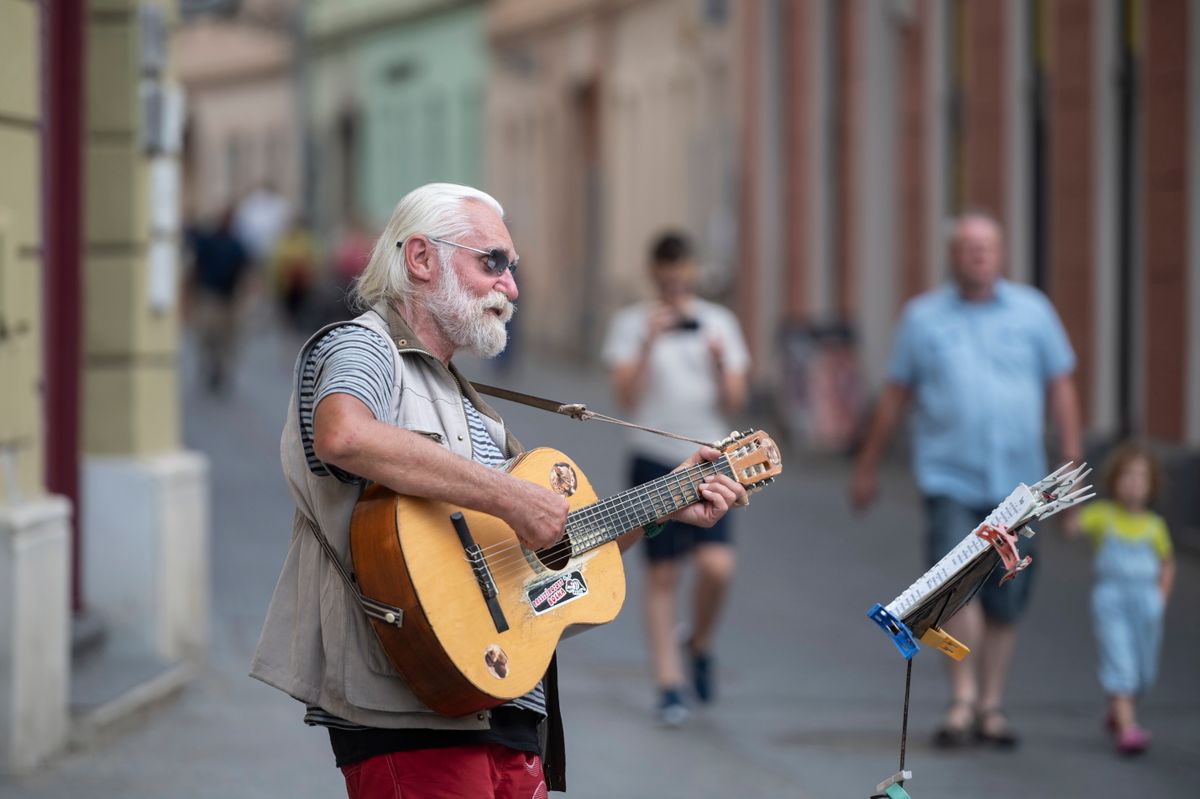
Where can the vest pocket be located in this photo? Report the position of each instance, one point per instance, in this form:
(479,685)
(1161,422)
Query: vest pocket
(436,437)
(370,681)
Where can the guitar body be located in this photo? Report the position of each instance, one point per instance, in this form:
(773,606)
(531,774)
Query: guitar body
(448,650)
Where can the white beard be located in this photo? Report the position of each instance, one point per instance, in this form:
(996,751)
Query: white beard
(467,321)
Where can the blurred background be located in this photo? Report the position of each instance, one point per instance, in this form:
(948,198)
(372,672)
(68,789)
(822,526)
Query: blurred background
(814,149)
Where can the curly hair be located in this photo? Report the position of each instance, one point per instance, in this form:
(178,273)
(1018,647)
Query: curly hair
(1120,458)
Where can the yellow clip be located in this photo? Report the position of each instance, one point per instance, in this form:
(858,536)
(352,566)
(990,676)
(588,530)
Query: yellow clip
(946,643)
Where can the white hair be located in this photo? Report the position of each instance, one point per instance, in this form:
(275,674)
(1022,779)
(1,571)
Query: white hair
(435,210)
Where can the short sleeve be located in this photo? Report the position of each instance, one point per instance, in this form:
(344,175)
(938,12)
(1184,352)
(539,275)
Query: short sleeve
(1056,356)
(902,363)
(736,355)
(349,359)
(1160,539)
(1094,519)
(624,337)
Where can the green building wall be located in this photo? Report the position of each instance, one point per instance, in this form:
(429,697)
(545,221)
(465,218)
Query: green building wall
(417,73)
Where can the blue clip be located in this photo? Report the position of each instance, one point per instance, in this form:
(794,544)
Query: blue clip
(901,636)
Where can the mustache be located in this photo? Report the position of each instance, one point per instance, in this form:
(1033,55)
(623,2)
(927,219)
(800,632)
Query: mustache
(496,301)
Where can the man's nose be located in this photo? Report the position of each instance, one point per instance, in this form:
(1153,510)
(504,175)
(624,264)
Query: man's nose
(508,284)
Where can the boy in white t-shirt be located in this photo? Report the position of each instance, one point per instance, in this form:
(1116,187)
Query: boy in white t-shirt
(679,363)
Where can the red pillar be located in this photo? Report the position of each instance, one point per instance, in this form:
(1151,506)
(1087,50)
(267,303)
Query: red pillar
(1072,179)
(62,201)
(848,158)
(985,111)
(1165,214)
(800,17)
(912,184)
(751,177)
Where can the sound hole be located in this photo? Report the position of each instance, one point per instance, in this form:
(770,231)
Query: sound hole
(555,556)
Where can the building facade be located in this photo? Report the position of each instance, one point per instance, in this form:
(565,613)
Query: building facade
(1074,122)
(239,72)
(816,149)
(103,531)
(610,121)
(394,98)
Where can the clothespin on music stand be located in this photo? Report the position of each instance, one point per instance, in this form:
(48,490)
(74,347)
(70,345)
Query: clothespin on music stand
(945,643)
(1005,544)
(901,636)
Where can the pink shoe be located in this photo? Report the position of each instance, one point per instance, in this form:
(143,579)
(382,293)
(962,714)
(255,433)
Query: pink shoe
(1133,741)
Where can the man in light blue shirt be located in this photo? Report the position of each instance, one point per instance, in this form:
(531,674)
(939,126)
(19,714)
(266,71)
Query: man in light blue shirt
(980,358)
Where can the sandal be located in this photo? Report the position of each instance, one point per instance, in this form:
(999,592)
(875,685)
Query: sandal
(954,736)
(992,727)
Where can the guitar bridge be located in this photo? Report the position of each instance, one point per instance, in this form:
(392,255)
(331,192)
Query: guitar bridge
(483,576)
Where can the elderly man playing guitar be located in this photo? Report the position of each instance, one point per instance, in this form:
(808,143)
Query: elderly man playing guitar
(384,441)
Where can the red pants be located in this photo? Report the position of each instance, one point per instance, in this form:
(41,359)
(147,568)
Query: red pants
(488,771)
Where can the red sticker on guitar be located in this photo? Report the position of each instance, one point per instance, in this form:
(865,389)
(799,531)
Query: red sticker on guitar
(548,596)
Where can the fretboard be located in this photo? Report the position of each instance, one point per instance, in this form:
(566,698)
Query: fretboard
(601,522)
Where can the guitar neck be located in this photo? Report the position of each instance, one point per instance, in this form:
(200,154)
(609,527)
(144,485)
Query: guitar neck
(597,524)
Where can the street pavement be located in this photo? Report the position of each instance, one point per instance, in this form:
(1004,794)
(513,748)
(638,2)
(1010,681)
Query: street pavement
(810,690)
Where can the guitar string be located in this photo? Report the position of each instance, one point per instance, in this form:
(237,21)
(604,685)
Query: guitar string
(622,508)
(508,553)
(720,466)
(607,505)
(627,509)
(663,489)
(632,508)
(512,559)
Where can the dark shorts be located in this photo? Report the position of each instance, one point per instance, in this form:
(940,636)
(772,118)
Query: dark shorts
(676,539)
(949,523)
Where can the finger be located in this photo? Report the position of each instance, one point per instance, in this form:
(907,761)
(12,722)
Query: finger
(718,496)
(728,489)
(715,506)
(703,454)
(737,488)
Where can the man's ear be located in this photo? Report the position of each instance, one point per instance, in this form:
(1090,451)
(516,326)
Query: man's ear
(419,259)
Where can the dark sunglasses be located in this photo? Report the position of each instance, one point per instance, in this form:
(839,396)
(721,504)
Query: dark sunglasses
(495,260)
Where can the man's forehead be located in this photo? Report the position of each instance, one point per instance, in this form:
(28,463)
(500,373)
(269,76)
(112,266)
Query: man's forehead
(974,226)
(489,229)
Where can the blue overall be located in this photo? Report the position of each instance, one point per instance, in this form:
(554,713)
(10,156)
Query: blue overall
(1127,612)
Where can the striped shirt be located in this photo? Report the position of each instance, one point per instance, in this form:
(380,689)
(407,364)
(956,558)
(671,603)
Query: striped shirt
(355,360)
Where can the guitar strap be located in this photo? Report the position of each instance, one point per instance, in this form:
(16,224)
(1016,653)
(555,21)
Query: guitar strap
(372,607)
(575,411)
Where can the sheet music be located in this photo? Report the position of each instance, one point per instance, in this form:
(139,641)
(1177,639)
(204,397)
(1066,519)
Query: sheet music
(1008,513)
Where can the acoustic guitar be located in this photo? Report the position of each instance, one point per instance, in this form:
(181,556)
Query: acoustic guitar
(481,613)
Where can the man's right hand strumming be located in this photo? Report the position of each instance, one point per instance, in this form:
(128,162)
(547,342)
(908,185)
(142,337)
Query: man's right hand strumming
(537,515)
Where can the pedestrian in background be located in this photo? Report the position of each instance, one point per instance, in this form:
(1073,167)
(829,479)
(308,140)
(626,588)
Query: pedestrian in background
(261,218)
(679,363)
(1134,572)
(294,271)
(352,252)
(220,264)
(980,358)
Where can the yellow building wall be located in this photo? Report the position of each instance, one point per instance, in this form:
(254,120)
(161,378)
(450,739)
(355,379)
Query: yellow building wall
(130,349)
(21,452)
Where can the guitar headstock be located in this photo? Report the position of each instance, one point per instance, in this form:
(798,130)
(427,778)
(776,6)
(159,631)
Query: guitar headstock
(753,456)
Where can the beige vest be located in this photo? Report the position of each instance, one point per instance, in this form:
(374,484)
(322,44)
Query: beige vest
(317,644)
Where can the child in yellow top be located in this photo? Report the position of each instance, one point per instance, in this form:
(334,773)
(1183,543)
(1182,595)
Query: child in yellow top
(1134,571)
